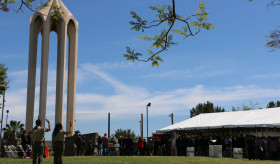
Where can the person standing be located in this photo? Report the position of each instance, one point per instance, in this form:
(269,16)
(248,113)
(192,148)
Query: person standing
(83,146)
(89,148)
(251,148)
(105,142)
(38,136)
(121,142)
(129,144)
(156,146)
(58,140)
(140,146)
(99,148)
(78,143)
(24,140)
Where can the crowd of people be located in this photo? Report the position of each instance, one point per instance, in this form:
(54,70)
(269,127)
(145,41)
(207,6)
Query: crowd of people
(253,147)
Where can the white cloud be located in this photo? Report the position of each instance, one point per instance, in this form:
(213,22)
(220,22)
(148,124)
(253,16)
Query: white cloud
(266,76)
(192,73)
(132,99)
(126,64)
(119,86)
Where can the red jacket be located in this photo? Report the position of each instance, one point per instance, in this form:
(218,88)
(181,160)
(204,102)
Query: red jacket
(140,143)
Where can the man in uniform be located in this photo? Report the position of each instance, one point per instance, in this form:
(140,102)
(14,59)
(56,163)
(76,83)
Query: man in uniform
(38,136)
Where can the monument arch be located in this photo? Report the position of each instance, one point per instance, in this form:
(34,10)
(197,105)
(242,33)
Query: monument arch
(42,22)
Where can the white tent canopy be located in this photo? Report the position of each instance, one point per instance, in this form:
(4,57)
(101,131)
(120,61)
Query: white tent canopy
(246,119)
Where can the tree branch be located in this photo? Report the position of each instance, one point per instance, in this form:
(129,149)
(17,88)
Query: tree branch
(164,40)
(26,5)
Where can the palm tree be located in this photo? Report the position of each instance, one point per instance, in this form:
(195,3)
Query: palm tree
(13,131)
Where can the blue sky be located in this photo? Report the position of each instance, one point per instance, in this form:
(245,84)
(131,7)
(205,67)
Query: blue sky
(229,66)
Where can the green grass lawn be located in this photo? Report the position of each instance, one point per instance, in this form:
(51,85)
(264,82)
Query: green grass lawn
(142,160)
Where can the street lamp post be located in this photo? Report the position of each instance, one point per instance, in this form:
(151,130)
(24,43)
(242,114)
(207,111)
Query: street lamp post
(171,115)
(142,131)
(148,105)
(7,117)
(2,88)
(140,122)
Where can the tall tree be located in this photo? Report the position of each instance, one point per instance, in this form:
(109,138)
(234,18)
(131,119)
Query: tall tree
(3,75)
(273,104)
(13,131)
(124,133)
(207,107)
(3,78)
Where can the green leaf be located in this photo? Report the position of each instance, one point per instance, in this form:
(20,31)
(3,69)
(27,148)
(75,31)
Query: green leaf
(146,38)
(159,58)
(185,28)
(170,9)
(179,17)
(155,63)
(153,7)
(126,56)
(211,26)
(179,32)
(128,50)
(194,23)
(156,45)
(203,17)
(150,52)
(201,5)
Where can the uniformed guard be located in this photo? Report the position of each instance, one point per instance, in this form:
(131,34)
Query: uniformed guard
(58,140)
(38,137)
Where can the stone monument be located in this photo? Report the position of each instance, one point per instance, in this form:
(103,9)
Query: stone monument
(43,22)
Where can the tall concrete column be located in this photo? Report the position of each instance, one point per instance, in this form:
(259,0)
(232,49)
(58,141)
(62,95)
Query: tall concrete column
(35,28)
(66,26)
(60,79)
(44,71)
(72,31)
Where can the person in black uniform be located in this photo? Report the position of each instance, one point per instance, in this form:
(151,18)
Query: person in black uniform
(24,140)
(83,146)
(251,147)
(78,143)
(156,146)
(89,148)
(129,144)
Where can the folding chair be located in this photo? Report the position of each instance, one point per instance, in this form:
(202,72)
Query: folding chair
(14,151)
(8,152)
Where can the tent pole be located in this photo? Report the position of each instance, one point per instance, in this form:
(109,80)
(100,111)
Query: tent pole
(266,144)
(230,142)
